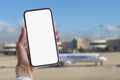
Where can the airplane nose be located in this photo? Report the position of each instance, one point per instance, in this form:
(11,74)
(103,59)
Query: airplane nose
(103,58)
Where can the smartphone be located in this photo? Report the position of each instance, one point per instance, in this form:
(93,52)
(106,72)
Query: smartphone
(41,37)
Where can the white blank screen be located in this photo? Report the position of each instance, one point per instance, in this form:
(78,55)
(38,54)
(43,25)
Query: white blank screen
(41,38)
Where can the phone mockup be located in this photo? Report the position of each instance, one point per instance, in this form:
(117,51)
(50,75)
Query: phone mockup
(41,37)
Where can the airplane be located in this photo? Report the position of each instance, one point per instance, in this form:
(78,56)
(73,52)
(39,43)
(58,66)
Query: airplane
(69,58)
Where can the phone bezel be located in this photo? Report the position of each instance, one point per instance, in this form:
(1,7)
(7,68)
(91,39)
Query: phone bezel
(28,39)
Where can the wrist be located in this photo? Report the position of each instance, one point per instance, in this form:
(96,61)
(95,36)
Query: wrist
(23,71)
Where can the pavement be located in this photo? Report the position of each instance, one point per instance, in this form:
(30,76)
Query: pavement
(78,71)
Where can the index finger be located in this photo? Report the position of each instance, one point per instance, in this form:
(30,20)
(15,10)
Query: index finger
(22,36)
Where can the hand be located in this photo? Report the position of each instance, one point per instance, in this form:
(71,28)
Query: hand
(23,67)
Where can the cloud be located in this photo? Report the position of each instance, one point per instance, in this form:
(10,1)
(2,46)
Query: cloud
(69,35)
(113,28)
(8,32)
(92,32)
(56,25)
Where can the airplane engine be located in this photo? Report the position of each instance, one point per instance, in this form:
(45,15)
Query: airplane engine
(64,63)
(67,63)
(103,58)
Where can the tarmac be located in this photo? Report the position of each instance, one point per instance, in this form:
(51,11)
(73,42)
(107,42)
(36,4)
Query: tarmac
(78,71)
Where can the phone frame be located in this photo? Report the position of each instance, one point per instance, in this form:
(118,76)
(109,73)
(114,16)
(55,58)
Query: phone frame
(28,39)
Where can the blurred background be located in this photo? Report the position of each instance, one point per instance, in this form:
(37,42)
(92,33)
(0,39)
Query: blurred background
(82,26)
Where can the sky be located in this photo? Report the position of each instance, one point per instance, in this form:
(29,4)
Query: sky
(73,18)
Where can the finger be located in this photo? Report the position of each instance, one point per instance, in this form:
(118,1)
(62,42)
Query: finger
(26,48)
(27,52)
(22,36)
(34,69)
